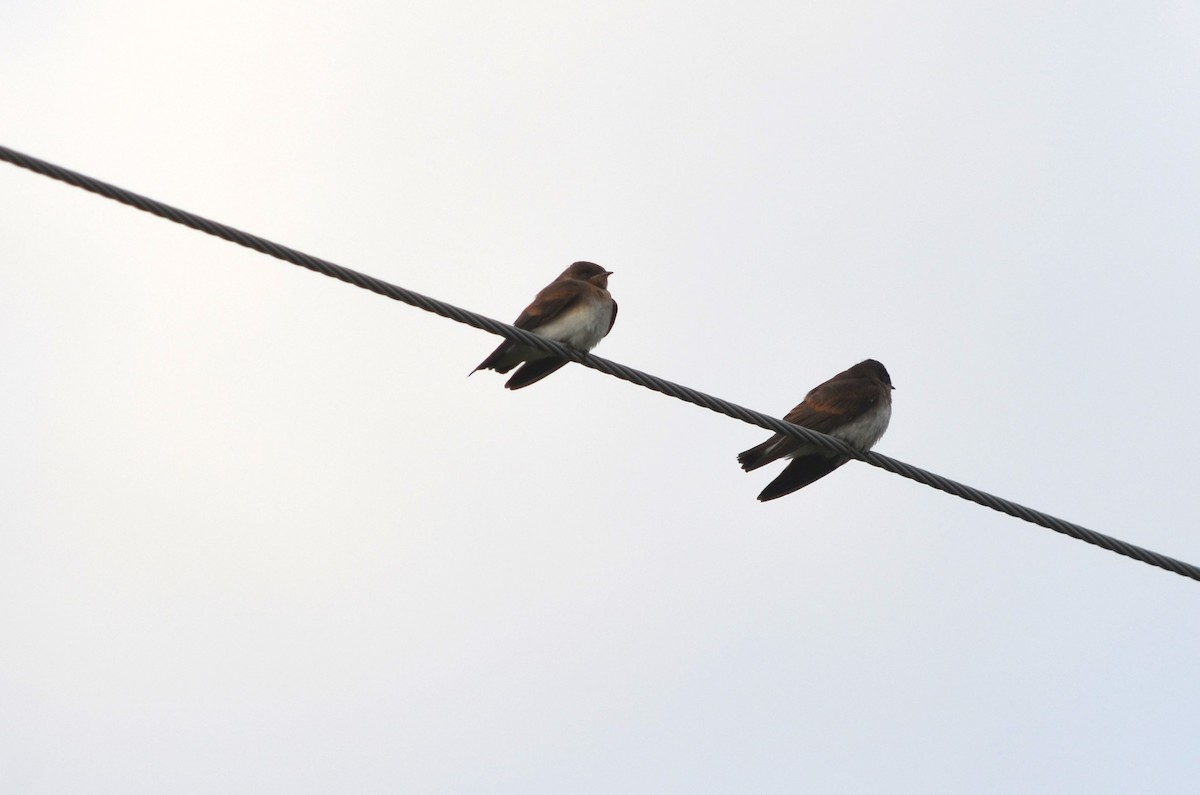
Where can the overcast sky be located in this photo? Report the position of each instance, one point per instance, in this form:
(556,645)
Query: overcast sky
(261,533)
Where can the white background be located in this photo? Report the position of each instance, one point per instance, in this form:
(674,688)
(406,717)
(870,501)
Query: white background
(260,533)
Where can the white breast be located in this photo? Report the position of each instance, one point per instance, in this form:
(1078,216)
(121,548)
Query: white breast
(868,429)
(581,327)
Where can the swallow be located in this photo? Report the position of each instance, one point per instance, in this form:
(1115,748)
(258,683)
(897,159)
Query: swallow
(575,309)
(853,406)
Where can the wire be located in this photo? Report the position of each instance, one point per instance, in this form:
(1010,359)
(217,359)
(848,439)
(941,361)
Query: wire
(615,369)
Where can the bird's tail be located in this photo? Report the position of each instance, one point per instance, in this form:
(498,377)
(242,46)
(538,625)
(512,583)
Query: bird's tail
(760,454)
(503,359)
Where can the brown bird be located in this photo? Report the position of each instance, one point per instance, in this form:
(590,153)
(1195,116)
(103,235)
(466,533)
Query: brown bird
(854,406)
(574,309)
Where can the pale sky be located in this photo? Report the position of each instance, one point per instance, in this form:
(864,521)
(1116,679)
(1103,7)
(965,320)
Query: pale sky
(262,534)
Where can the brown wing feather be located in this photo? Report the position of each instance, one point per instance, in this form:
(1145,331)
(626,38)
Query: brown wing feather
(827,405)
(550,302)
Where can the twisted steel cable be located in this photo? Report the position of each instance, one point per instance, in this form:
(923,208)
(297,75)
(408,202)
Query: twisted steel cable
(615,369)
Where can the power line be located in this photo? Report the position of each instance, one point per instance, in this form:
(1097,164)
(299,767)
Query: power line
(638,377)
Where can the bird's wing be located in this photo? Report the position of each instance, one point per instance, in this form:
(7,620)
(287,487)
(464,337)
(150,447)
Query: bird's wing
(532,372)
(827,406)
(551,302)
(799,473)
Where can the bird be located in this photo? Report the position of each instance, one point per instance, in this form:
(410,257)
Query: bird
(575,309)
(854,406)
